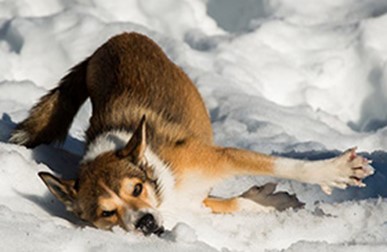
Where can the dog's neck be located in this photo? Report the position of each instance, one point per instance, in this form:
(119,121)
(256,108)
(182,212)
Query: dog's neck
(117,139)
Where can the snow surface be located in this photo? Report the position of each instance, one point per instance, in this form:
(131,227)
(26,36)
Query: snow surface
(298,78)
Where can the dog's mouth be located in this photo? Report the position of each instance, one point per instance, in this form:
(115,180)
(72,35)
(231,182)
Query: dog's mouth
(147,224)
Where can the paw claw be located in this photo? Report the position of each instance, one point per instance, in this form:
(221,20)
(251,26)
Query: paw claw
(350,153)
(326,189)
(341,185)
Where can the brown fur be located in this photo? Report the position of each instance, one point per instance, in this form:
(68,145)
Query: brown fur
(140,68)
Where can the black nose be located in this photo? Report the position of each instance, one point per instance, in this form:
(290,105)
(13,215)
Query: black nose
(147,224)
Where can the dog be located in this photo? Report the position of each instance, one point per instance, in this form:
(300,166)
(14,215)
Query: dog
(149,146)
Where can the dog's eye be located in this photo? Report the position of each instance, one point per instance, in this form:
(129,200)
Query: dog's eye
(107,214)
(137,190)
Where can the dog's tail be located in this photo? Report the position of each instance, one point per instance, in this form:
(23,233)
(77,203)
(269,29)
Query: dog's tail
(50,119)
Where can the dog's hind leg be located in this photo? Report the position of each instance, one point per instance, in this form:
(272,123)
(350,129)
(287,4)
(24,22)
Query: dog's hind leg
(256,199)
(50,119)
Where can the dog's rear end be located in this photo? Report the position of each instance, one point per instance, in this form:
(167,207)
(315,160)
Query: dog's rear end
(129,77)
(126,78)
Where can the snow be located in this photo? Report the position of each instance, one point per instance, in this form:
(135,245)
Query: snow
(303,79)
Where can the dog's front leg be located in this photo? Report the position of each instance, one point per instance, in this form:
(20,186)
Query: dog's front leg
(348,169)
(345,170)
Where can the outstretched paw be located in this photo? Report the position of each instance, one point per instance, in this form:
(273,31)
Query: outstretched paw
(348,169)
(264,195)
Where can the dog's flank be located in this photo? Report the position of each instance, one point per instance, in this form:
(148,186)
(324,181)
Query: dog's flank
(150,145)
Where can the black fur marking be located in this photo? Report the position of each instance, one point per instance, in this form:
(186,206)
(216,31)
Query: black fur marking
(180,142)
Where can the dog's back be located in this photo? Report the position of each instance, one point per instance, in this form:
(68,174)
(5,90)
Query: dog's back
(130,76)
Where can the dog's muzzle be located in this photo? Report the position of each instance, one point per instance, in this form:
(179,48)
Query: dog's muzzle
(147,224)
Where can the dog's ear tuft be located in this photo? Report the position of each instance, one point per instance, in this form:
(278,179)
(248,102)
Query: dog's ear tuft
(135,148)
(64,190)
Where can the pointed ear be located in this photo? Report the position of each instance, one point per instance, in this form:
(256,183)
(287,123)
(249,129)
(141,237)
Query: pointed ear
(135,148)
(64,190)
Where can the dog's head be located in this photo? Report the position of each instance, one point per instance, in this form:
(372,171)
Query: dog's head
(116,188)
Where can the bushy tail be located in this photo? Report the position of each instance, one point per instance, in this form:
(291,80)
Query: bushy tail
(50,119)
